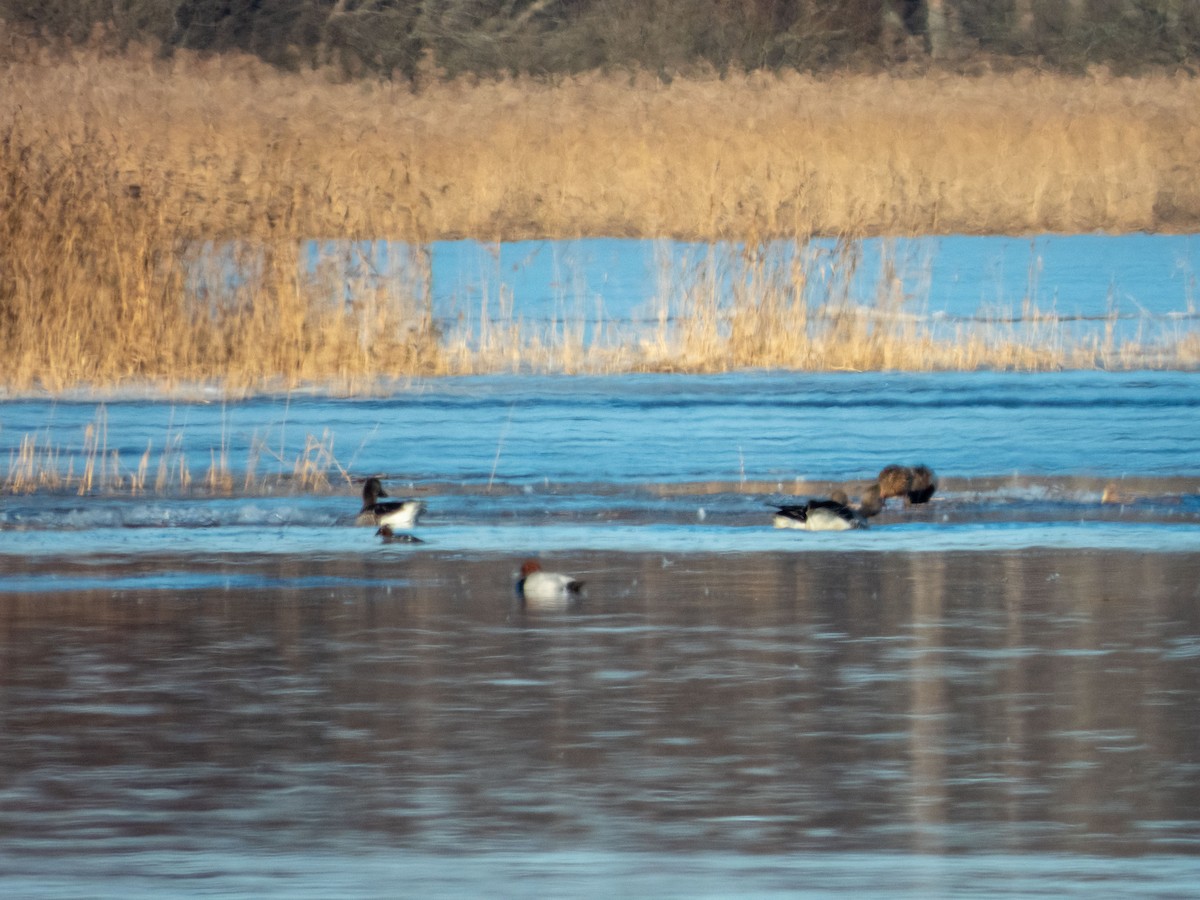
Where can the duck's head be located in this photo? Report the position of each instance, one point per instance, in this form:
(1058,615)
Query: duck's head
(529,567)
(373,490)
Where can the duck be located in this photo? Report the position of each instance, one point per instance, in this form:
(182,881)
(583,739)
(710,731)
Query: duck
(870,504)
(915,484)
(923,484)
(833,514)
(540,589)
(396,513)
(815,516)
(894,481)
(396,537)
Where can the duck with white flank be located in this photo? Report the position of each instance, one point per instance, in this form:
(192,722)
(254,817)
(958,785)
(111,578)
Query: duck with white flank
(396,513)
(834,514)
(539,589)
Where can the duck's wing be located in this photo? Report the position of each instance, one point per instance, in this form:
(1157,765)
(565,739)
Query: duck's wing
(834,505)
(794,512)
(398,514)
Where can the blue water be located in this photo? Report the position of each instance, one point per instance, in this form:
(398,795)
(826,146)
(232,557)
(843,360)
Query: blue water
(237,692)
(588,873)
(669,428)
(625,463)
(1144,285)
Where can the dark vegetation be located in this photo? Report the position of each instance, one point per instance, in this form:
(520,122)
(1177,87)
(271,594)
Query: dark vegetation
(402,38)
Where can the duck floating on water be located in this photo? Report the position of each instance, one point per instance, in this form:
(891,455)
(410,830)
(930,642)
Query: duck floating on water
(834,514)
(539,589)
(396,513)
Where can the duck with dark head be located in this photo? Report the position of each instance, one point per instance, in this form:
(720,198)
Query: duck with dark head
(399,514)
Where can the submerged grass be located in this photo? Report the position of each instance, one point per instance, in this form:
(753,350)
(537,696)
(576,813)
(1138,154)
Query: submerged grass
(39,464)
(152,214)
(743,307)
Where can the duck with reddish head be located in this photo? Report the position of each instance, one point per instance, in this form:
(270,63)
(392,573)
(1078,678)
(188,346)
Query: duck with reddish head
(388,536)
(539,589)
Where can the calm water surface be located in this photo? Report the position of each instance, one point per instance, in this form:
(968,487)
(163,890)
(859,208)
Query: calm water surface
(976,724)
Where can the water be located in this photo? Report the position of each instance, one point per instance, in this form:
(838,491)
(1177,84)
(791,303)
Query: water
(979,724)
(242,694)
(1140,287)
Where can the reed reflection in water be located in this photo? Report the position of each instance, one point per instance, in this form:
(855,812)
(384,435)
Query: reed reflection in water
(762,703)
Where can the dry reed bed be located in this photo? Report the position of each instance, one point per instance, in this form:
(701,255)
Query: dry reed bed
(116,175)
(232,149)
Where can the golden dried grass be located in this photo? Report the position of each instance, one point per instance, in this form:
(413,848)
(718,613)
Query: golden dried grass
(40,465)
(762,307)
(118,175)
(231,149)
